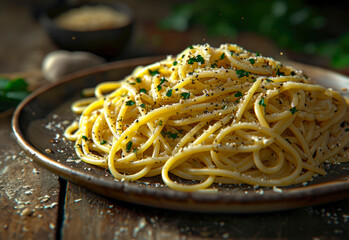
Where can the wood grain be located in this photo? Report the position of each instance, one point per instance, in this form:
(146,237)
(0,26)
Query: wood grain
(28,193)
(95,217)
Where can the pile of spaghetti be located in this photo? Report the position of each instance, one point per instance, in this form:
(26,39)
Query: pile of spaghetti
(213,115)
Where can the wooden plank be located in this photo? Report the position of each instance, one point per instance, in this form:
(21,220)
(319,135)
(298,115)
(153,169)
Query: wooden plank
(28,193)
(95,217)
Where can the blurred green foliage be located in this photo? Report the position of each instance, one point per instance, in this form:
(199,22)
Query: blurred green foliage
(293,25)
(12,92)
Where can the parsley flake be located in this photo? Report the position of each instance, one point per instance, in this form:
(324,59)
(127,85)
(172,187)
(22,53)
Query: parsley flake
(175,63)
(160,123)
(198,59)
(242,73)
(171,135)
(129,146)
(84,137)
(252,61)
(213,65)
(143,90)
(159,87)
(139,80)
(293,110)
(238,94)
(261,102)
(191,47)
(162,80)
(269,80)
(153,72)
(142,105)
(169,93)
(257,54)
(130,103)
(103,142)
(279,73)
(185,95)
(222,56)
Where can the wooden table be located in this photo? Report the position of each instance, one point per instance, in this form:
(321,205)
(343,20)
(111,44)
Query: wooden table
(36,204)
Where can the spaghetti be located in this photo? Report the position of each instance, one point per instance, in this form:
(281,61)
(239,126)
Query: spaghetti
(213,115)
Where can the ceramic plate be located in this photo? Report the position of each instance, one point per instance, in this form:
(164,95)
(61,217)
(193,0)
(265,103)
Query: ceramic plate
(39,122)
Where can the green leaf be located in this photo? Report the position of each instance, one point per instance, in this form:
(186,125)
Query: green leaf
(185,95)
(130,103)
(153,72)
(198,59)
(169,93)
(293,110)
(142,90)
(238,94)
(261,102)
(129,146)
(242,73)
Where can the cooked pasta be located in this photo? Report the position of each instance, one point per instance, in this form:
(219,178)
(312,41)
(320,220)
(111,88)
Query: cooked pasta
(213,115)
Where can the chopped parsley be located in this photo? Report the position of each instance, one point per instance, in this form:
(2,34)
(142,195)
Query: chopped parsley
(169,93)
(130,103)
(238,94)
(160,123)
(252,61)
(293,110)
(142,105)
(84,137)
(139,80)
(198,59)
(191,47)
(171,135)
(185,95)
(129,146)
(269,80)
(153,72)
(293,73)
(242,73)
(103,142)
(142,90)
(257,54)
(175,63)
(279,73)
(213,65)
(162,80)
(261,102)
(222,56)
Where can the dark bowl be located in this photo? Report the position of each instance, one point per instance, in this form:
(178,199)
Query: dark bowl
(106,43)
